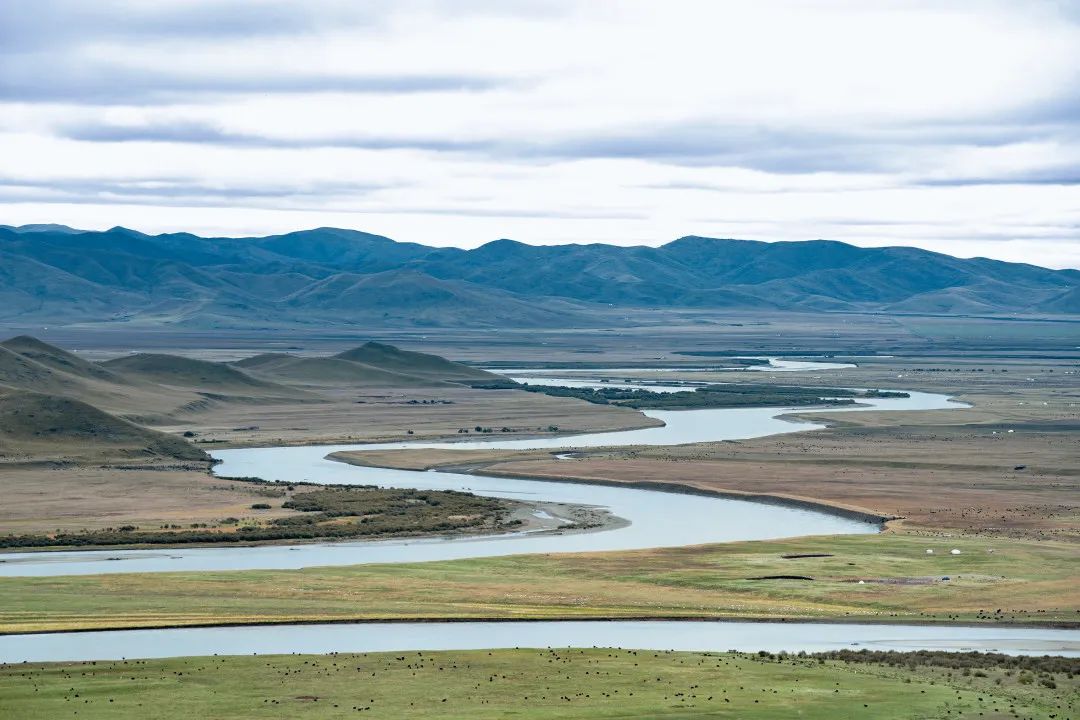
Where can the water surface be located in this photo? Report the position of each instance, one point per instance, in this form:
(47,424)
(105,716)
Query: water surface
(642,635)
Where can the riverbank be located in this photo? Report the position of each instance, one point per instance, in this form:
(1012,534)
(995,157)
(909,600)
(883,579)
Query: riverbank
(534,518)
(688,620)
(445,462)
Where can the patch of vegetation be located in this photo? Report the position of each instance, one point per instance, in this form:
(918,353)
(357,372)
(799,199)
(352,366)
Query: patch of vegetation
(1037,664)
(725,395)
(327,513)
(730,357)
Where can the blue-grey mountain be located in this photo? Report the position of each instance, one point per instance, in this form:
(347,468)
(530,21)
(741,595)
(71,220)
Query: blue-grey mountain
(328,276)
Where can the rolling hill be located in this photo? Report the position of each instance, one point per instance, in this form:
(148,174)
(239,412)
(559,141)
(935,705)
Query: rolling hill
(184,372)
(286,368)
(415,364)
(371,365)
(144,388)
(31,365)
(334,277)
(49,428)
(56,407)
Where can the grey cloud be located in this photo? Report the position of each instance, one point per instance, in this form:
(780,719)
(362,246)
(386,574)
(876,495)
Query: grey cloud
(1053,176)
(785,152)
(795,150)
(171,190)
(766,149)
(882,151)
(183,192)
(207,134)
(42,79)
(50,49)
(58,24)
(186,192)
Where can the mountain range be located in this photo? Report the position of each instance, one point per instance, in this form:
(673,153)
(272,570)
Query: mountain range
(327,276)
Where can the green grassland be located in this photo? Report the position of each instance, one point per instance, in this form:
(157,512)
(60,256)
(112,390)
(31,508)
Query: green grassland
(991,580)
(594,683)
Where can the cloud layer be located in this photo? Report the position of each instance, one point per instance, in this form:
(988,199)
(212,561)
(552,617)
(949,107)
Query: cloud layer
(954,127)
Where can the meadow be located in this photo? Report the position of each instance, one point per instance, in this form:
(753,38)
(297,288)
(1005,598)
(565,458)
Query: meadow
(547,683)
(868,578)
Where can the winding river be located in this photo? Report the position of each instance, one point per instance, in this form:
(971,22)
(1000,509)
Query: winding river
(649,512)
(701,519)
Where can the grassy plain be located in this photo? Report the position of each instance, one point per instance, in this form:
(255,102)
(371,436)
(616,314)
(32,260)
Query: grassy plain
(42,499)
(360,415)
(990,581)
(325,514)
(595,683)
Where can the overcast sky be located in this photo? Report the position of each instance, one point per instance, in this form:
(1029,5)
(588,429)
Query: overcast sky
(953,126)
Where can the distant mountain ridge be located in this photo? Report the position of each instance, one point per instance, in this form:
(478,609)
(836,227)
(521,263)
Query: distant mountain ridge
(331,276)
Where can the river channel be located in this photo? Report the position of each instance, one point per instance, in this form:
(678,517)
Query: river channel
(656,519)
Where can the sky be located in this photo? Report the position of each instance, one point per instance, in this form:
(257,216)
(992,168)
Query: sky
(949,126)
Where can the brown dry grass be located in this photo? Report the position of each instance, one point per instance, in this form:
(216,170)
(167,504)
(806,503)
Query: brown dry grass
(388,415)
(39,500)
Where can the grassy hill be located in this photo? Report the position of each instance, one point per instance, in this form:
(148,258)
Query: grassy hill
(327,371)
(54,358)
(37,427)
(31,365)
(371,364)
(416,364)
(59,407)
(178,371)
(146,388)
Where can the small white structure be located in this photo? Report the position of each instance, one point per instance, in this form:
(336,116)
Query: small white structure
(954,551)
(929,551)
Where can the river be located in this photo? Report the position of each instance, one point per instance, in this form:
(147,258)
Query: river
(639,634)
(651,513)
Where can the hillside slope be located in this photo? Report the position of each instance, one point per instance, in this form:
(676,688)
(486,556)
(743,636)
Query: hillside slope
(38,428)
(415,364)
(282,367)
(146,388)
(58,359)
(181,371)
